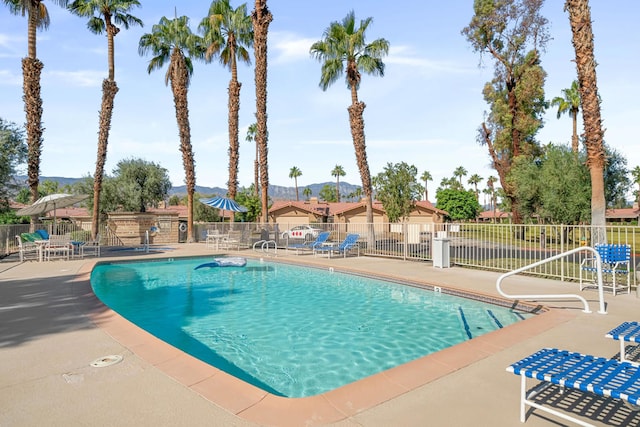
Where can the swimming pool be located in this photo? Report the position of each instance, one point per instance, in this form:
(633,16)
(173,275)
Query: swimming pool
(290,330)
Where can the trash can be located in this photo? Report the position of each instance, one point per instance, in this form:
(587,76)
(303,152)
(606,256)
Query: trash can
(441,252)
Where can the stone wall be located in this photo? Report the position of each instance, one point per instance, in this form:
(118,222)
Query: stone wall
(131,227)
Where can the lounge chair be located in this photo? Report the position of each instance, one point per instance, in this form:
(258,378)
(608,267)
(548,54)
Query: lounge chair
(91,247)
(597,375)
(349,244)
(627,332)
(309,246)
(616,260)
(58,246)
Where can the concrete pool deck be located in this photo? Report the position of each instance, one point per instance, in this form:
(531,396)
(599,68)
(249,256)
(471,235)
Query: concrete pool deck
(52,327)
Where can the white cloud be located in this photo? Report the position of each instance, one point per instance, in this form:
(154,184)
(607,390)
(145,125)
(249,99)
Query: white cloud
(83,78)
(289,47)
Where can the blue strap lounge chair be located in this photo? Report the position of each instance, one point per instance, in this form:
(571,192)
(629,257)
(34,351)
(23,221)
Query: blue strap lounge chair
(625,332)
(309,246)
(616,260)
(349,244)
(597,375)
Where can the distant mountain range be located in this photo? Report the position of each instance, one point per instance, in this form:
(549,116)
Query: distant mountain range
(276,192)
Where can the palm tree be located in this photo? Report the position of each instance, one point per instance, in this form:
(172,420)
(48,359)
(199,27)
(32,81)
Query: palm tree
(582,38)
(227,34)
(569,102)
(104,16)
(294,173)
(307,192)
(261,18)
(474,180)
(459,173)
(38,18)
(635,173)
(338,171)
(426,176)
(251,136)
(343,48)
(172,41)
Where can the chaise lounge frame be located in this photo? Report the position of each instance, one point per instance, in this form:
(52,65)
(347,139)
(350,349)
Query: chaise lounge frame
(598,375)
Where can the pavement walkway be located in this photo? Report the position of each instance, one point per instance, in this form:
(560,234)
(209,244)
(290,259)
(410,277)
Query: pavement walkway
(51,330)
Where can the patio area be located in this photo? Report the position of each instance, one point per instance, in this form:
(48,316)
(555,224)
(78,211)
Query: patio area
(52,328)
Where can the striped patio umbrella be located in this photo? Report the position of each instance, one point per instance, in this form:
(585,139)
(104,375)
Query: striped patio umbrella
(224,203)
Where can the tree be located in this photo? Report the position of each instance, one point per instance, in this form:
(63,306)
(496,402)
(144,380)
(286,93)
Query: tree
(139,184)
(459,204)
(248,198)
(635,173)
(582,39)
(398,189)
(474,180)
(616,178)
(426,176)
(171,40)
(307,193)
(13,152)
(328,194)
(343,48)
(569,102)
(512,32)
(492,191)
(338,171)
(261,18)
(105,16)
(459,173)
(294,173)
(227,34)
(38,18)
(251,136)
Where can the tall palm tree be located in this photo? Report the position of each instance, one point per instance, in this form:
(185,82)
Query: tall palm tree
(474,180)
(227,33)
(459,173)
(338,171)
(38,19)
(251,137)
(569,102)
(294,173)
(172,41)
(582,38)
(635,173)
(426,176)
(105,16)
(343,48)
(261,18)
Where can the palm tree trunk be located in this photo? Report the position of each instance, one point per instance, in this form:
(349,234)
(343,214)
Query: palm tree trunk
(261,19)
(109,91)
(574,137)
(179,85)
(31,70)
(356,122)
(296,182)
(582,38)
(234,145)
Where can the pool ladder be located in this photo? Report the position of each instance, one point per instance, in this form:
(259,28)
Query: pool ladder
(269,247)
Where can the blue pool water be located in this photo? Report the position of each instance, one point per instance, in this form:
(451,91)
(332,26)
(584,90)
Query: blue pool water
(290,330)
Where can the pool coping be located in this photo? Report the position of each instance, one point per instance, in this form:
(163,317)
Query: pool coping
(256,405)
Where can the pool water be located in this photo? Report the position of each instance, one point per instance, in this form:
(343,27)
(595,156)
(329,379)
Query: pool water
(292,331)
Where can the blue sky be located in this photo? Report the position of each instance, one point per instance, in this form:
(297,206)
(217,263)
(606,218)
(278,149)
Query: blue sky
(425,110)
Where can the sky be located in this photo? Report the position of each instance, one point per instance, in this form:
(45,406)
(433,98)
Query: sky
(425,111)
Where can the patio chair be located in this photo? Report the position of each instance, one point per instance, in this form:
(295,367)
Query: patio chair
(58,246)
(349,244)
(309,246)
(27,250)
(233,240)
(92,247)
(598,375)
(616,260)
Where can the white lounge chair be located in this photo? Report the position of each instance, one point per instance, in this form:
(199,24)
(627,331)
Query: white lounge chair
(27,250)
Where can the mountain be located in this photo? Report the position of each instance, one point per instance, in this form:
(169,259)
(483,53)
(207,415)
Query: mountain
(276,192)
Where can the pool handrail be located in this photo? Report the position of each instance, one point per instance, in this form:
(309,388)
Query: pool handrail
(602,309)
